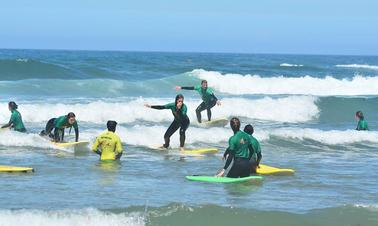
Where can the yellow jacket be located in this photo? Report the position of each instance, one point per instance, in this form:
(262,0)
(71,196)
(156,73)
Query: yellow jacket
(110,145)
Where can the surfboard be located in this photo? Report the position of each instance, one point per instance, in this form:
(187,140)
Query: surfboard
(187,151)
(214,179)
(219,122)
(15,169)
(70,144)
(266,170)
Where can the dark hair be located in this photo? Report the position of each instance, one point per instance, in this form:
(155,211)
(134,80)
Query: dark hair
(179,96)
(235,124)
(203,81)
(249,129)
(360,115)
(12,105)
(71,115)
(111,125)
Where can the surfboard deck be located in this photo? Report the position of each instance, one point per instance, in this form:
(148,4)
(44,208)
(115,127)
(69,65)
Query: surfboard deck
(269,170)
(214,179)
(187,151)
(220,122)
(70,144)
(8,169)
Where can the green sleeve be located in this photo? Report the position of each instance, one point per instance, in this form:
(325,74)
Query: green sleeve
(13,117)
(197,88)
(209,91)
(169,106)
(59,122)
(184,110)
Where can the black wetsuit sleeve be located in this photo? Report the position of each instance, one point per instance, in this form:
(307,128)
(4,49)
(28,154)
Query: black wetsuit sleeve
(214,97)
(259,157)
(118,156)
(226,153)
(229,160)
(251,151)
(76,134)
(159,107)
(188,87)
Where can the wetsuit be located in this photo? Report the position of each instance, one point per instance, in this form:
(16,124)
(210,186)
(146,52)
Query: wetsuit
(256,156)
(208,100)
(58,125)
(181,121)
(110,145)
(240,150)
(362,125)
(15,122)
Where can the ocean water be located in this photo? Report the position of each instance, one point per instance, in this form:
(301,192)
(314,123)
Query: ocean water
(302,108)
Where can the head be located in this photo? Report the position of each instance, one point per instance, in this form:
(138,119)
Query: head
(179,101)
(249,129)
(71,118)
(203,84)
(235,124)
(359,115)
(12,106)
(111,125)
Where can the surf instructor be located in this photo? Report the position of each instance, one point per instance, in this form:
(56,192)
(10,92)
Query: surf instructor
(180,120)
(15,121)
(208,99)
(109,143)
(58,125)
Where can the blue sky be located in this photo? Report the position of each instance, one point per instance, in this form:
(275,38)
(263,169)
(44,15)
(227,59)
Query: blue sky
(266,26)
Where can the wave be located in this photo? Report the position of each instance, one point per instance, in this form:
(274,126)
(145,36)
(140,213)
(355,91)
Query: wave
(254,84)
(291,65)
(179,214)
(363,66)
(16,139)
(288,109)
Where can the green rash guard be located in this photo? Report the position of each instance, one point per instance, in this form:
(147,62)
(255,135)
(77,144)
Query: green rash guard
(16,121)
(238,144)
(256,147)
(179,115)
(362,125)
(206,95)
(62,122)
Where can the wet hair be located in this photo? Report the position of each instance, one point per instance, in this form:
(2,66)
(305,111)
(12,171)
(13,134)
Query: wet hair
(71,115)
(203,81)
(12,105)
(360,115)
(179,96)
(111,125)
(235,124)
(249,129)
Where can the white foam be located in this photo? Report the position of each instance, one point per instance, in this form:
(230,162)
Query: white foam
(364,66)
(84,217)
(288,109)
(16,139)
(291,65)
(307,85)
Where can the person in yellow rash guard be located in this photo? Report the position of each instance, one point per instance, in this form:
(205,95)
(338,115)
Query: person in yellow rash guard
(109,143)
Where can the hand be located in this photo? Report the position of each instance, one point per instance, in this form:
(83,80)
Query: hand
(258,166)
(178,87)
(220,173)
(224,157)
(147,105)
(219,103)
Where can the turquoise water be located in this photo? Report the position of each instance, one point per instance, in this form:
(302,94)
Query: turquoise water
(302,108)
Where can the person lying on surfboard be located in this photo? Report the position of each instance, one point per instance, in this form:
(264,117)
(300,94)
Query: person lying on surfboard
(181,120)
(109,143)
(362,124)
(15,121)
(240,150)
(208,99)
(256,156)
(58,125)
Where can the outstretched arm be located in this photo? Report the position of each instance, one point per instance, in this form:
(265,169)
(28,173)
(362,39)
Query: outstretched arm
(185,87)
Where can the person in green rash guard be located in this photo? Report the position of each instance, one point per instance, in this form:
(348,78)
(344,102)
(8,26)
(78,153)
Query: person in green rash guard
(58,125)
(181,120)
(256,156)
(240,150)
(15,121)
(208,98)
(362,124)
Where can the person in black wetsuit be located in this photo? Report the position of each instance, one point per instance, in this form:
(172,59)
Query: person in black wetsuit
(181,120)
(208,99)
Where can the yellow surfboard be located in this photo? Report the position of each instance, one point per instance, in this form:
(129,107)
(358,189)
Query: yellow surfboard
(220,122)
(266,170)
(187,151)
(15,169)
(70,144)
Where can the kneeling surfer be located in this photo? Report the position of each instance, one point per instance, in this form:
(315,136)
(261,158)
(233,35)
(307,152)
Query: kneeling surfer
(15,121)
(239,150)
(109,143)
(257,156)
(58,125)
